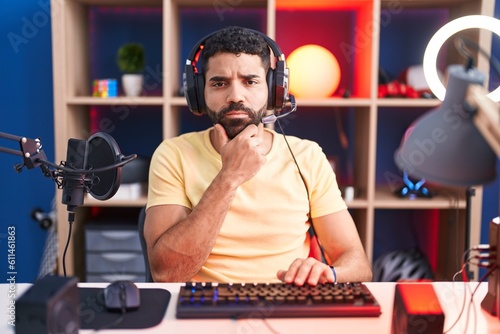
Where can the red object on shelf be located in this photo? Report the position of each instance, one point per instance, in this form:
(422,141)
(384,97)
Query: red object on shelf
(397,89)
(322,4)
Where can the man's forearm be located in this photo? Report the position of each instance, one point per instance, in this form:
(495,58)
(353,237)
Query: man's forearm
(353,266)
(182,250)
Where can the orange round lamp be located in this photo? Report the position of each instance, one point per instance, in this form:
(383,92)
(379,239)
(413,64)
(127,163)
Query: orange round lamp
(314,72)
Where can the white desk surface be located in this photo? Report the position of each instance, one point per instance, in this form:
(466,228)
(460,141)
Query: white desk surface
(451,296)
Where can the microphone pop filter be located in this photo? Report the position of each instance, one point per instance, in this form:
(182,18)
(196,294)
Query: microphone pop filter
(104,151)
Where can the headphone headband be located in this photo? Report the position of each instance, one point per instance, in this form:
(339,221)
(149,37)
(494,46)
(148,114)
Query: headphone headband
(194,82)
(272,45)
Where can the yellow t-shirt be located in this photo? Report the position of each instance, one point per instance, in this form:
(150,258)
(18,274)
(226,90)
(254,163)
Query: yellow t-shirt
(266,226)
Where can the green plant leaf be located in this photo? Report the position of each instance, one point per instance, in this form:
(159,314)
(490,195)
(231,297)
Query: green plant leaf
(130,58)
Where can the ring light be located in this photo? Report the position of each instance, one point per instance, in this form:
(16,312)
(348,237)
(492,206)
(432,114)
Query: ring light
(449,29)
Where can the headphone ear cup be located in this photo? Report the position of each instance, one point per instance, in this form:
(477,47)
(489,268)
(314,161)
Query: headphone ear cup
(200,93)
(271,90)
(189,82)
(280,85)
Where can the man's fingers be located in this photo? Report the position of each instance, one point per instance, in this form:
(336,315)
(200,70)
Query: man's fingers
(308,271)
(251,130)
(281,275)
(221,134)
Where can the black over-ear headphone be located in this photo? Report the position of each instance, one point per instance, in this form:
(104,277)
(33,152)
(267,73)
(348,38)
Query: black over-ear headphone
(277,79)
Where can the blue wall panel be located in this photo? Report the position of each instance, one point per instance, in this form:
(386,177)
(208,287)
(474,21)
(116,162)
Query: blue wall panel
(26,109)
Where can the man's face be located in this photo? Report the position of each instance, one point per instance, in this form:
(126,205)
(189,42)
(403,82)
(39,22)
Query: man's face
(235,91)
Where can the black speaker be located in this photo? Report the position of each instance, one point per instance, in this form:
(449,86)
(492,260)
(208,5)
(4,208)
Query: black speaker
(277,78)
(49,307)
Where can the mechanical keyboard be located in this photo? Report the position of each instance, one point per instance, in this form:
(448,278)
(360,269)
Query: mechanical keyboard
(275,300)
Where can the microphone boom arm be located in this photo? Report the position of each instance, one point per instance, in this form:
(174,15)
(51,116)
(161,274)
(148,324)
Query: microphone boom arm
(31,151)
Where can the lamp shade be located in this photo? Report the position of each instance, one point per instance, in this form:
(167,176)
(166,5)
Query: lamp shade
(444,146)
(315,71)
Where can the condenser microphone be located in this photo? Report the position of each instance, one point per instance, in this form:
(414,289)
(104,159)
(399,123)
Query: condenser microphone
(93,166)
(270,119)
(73,180)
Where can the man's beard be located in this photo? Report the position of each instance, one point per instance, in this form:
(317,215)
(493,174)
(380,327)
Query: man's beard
(234,126)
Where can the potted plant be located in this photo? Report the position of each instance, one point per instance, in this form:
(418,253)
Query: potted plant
(131,62)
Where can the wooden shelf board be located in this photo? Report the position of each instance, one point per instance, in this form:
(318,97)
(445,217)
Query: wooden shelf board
(230,5)
(90,100)
(408,103)
(334,102)
(423,3)
(329,102)
(121,3)
(385,199)
(357,203)
(90,201)
(178,101)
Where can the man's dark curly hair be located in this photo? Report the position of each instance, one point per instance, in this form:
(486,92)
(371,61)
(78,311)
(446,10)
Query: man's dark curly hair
(236,40)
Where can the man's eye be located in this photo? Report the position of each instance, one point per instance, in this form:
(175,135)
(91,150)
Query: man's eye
(218,84)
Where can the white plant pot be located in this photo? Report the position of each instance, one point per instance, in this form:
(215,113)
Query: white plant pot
(132,84)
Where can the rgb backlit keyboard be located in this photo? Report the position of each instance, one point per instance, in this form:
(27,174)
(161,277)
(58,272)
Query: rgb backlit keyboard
(275,300)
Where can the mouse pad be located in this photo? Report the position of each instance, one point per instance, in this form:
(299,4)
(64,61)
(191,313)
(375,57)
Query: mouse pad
(94,315)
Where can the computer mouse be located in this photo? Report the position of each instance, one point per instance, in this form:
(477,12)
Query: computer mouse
(122,295)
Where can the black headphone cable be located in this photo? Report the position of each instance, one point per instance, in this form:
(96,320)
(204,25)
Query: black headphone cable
(312,231)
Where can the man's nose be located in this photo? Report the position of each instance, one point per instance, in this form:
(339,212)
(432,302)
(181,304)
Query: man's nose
(235,93)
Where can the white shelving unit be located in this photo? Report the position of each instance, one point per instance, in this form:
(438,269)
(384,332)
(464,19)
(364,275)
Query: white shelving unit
(73,100)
